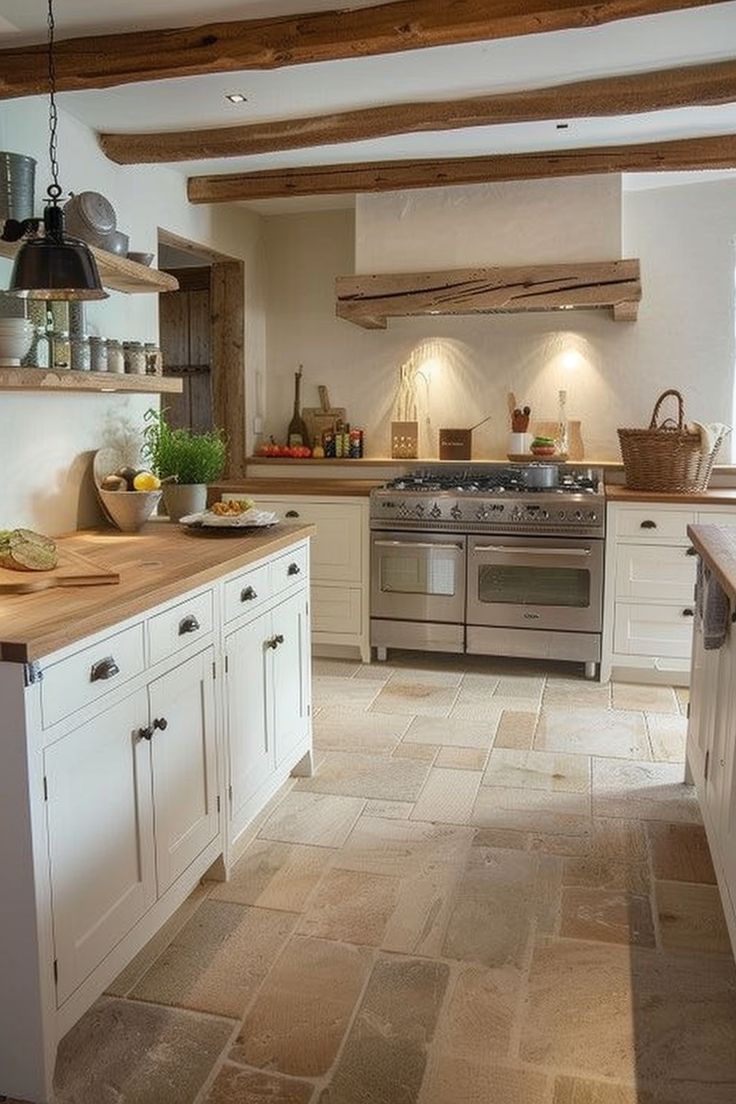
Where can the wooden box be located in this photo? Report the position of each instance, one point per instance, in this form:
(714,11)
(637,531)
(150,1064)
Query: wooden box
(456,444)
(404,440)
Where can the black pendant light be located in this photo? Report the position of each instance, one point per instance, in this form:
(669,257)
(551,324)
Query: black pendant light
(52,266)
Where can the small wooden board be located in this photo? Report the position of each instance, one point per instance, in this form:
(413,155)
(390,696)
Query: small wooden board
(72,570)
(322,419)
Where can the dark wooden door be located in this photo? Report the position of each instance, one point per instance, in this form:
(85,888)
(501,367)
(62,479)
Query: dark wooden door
(185,335)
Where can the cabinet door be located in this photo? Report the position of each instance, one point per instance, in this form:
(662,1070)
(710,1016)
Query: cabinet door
(100,826)
(336,552)
(184,765)
(248,725)
(291,675)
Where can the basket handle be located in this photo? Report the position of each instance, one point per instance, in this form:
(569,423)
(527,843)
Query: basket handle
(660,400)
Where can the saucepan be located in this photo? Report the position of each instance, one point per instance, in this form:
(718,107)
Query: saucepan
(540,476)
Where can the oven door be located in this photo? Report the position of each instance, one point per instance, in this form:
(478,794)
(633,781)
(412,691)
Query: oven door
(418,576)
(535,582)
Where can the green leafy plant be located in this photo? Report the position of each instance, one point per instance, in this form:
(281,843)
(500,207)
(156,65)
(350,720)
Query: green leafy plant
(190,457)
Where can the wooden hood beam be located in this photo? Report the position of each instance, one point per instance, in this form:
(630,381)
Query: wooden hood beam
(104,61)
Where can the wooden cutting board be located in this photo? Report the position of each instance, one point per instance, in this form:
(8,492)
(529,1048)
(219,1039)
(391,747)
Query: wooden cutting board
(72,570)
(322,419)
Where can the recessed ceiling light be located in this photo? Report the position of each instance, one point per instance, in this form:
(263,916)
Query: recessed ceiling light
(236,97)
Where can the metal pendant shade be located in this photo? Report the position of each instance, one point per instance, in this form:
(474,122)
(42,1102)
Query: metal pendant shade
(54,266)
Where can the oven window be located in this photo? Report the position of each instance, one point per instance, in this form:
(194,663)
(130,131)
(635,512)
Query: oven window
(534,586)
(426,573)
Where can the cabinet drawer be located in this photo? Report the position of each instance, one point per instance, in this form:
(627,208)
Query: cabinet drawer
(289,570)
(82,678)
(717,517)
(247,592)
(656,572)
(652,630)
(653,524)
(336,610)
(337,546)
(172,630)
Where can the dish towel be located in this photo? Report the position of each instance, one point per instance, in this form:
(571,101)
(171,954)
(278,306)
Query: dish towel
(712,607)
(709,434)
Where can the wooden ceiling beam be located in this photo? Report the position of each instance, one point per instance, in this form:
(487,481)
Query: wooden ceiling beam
(388,176)
(632,94)
(104,61)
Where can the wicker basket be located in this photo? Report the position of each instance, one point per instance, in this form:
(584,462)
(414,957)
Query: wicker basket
(666,456)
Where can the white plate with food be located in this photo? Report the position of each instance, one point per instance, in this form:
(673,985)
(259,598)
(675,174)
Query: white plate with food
(234,513)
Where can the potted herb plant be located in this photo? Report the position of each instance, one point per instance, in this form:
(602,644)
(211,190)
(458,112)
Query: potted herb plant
(189,461)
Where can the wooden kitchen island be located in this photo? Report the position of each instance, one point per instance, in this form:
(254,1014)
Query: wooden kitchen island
(144,726)
(711,737)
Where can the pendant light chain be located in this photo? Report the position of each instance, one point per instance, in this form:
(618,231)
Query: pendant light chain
(54,189)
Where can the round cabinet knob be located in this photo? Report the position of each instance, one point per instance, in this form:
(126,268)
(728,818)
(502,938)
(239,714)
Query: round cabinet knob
(160,723)
(145,733)
(248,594)
(293,569)
(688,613)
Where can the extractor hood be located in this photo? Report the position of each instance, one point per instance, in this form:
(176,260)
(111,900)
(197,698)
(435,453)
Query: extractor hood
(369,301)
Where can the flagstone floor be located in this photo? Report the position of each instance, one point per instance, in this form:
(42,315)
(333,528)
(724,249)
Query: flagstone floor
(496,889)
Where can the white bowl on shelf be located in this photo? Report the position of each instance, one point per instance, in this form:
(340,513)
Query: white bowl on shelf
(16,338)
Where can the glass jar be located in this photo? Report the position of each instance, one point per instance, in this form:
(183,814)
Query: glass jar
(154,362)
(115,361)
(61,353)
(134,355)
(98,353)
(80,353)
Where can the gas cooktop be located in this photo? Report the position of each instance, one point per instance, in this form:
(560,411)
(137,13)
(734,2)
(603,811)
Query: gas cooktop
(502,480)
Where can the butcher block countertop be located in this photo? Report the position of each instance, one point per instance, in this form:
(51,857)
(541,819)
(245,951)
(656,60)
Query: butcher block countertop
(715,496)
(716,545)
(300,486)
(159,563)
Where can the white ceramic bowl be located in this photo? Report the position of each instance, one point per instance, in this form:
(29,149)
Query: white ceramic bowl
(129,510)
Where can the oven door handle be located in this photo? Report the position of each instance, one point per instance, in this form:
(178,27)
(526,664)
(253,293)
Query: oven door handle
(417,544)
(531,551)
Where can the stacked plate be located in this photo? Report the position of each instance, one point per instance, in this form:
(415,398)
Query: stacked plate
(16,337)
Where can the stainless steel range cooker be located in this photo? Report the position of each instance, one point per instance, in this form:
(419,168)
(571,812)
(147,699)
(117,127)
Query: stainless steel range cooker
(498,561)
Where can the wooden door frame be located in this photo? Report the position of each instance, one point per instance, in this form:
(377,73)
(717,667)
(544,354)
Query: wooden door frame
(227,352)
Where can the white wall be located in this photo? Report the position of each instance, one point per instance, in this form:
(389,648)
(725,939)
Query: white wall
(612,371)
(46,439)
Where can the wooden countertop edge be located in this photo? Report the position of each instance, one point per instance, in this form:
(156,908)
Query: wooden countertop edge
(716,544)
(327,488)
(713,496)
(34,646)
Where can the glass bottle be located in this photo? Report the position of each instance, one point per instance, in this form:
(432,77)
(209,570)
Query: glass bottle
(562,434)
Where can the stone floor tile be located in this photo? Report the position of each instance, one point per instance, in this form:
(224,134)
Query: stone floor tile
(426,898)
(138,1053)
(375,776)
(614,733)
(505,838)
(218,960)
(344,728)
(476,708)
(426,753)
(611,916)
(478,1015)
(143,961)
(621,839)
(448,796)
(325,666)
(520,686)
(608,874)
(667,735)
(563,840)
(405,694)
(332,690)
(480,680)
(375,672)
(515,729)
(462,758)
(275,875)
(496,896)
(691,918)
(303,1009)
(643,791)
(450,732)
(235,1085)
(385,1055)
(576,693)
(535,801)
(535,811)
(680,853)
(351,907)
(455,1079)
(538,770)
(430,673)
(392,810)
(322,819)
(634,695)
(402,847)
(572,1090)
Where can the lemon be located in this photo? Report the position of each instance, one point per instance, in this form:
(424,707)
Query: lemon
(146,481)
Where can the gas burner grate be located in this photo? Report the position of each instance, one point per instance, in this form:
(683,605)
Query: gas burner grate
(498,481)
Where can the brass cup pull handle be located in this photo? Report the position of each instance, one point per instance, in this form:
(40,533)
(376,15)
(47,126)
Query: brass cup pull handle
(160,723)
(688,613)
(691,551)
(292,513)
(145,733)
(188,624)
(248,594)
(105,668)
(293,569)
(648,525)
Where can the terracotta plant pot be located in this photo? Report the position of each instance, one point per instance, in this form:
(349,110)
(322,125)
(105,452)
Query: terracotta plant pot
(181,499)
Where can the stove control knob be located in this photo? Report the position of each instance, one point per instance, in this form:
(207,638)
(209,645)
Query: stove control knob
(456,512)
(561,515)
(578,515)
(592,516)
(435,512)
(498,506)
(481,513)
(544,514)
(419,509)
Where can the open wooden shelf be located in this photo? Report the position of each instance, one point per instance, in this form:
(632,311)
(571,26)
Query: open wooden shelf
(117,273)
(46,379)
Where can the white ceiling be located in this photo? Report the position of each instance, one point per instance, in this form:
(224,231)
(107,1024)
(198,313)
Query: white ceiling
(671,39)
